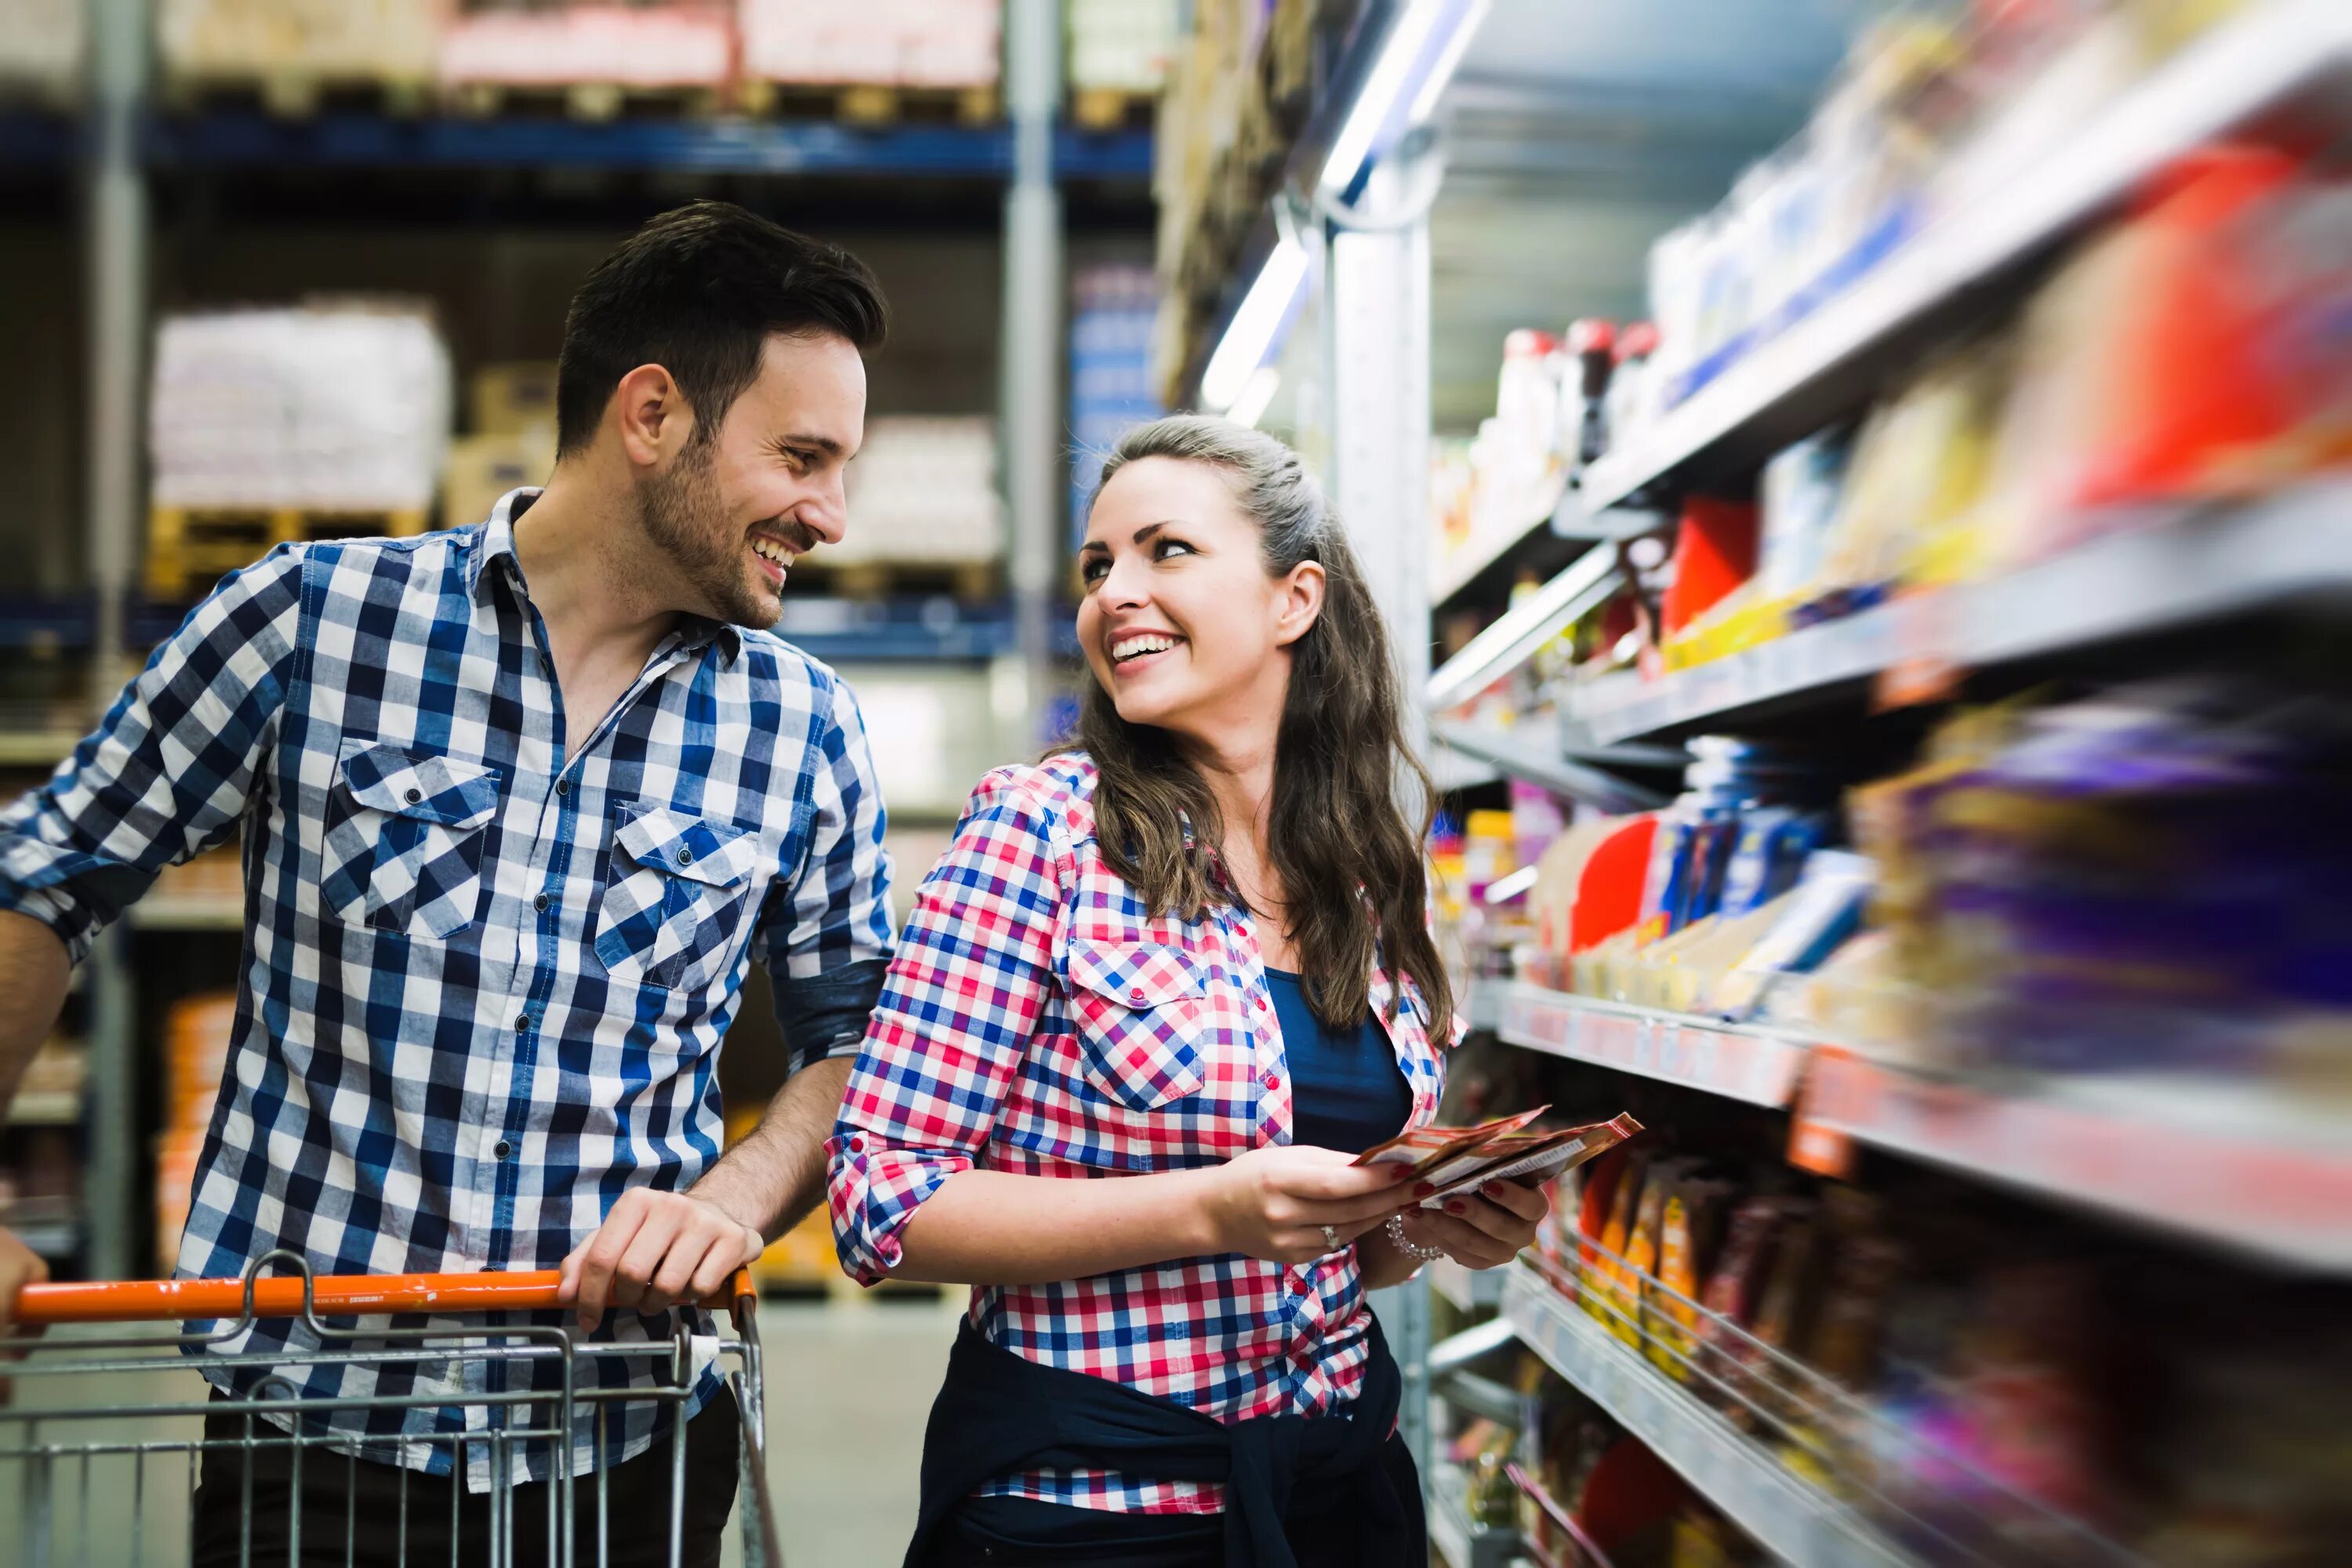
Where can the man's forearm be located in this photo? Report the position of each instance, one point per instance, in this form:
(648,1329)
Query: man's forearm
(777,1174)
(34,975)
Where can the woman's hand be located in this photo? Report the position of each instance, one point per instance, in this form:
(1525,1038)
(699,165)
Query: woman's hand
(1484,1229)
(1275,1203)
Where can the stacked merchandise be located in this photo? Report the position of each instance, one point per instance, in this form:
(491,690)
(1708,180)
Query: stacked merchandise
(500,43)
(1120,46)
(196,1054)
(331,408)
(1934,113)
(2142,879)
(2195,350)
(1110,371)
(51,1089)
(900,43)
(342,41)
(923,490)
(1985,1384)
(1239,90)
(512,408)
(41,50)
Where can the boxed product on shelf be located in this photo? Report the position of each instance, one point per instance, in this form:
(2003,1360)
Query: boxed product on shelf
(687,44)
(513,398)
(329,407)
(899,43)
(338,41)
(481,468)
(197,1037)
(41,50)
(923,489)
(1121,45)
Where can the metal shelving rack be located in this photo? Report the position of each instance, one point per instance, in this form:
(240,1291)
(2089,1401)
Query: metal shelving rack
(116,146)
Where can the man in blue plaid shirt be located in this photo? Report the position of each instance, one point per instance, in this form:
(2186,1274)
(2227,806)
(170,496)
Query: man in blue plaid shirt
(519,803)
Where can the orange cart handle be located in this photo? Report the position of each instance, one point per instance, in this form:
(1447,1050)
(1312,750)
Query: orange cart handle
(280,1296)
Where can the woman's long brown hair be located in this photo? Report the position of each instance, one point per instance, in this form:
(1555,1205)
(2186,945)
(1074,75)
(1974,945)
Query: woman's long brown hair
(1349,860)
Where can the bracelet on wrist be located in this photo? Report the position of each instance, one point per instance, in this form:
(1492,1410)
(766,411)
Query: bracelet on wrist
(1402,1243)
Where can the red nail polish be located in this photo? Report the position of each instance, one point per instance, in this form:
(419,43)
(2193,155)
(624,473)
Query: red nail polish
(1423,1189)
(1458,1208)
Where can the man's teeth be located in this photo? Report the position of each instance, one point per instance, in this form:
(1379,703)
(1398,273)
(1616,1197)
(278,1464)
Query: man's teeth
(1135,648)
(770,550)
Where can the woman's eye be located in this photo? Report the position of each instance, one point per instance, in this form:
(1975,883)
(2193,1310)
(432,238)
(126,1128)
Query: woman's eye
(1095,569)
(1161,548)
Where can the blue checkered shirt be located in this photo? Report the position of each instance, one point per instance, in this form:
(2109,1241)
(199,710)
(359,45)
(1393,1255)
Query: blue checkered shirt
(483,982)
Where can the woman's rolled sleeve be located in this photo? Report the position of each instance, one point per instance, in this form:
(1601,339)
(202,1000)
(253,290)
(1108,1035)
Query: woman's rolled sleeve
(971,973)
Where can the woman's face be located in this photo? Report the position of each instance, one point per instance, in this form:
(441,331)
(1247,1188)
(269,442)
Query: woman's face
(1181,622)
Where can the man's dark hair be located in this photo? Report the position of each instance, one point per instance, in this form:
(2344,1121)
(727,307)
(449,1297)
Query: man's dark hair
(698,292)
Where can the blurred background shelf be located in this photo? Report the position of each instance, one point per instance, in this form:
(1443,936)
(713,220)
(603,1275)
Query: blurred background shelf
(1798,1523)
(2199,564)
(1460,1542)
(1830,363)
(1470,1289)
(1751,1065)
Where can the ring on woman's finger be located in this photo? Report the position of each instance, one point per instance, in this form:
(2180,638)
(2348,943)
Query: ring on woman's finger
(1332,1236)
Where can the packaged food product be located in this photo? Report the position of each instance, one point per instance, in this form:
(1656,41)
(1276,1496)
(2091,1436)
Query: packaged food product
(1610,1296)
(1688,1236)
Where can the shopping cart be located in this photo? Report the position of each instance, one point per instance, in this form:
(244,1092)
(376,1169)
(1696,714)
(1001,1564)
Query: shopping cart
(85,1471)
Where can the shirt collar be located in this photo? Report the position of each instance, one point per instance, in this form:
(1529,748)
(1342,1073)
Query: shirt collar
(694,632)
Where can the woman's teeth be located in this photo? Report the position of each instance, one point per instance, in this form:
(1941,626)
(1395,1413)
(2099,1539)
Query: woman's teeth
(1136,648)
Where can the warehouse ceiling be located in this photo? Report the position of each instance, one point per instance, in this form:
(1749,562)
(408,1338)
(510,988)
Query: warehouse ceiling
(1576,131)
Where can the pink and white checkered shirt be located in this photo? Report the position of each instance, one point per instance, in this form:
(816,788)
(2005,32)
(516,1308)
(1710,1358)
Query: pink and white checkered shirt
(1037,1020)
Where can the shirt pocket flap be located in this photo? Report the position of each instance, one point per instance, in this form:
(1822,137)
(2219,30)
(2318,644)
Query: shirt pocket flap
(716,854)
(1134,974)
(455,793)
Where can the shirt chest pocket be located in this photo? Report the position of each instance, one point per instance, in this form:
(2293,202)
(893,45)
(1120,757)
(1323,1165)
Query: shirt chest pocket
(403,840)
(1141,1014)
(679,888)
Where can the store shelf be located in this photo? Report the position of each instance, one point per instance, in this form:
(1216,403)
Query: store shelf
(1757,1065)
(1521,756)
(190,912)
(1797,1522)
(2192,564)
(36,748)
(1459,1543)
(1082,155)
(2243,1166)
(1468,1289)
(242,140)
(1831,362)
(51,1108)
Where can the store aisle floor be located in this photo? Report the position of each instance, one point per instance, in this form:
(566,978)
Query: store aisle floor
(849,1389)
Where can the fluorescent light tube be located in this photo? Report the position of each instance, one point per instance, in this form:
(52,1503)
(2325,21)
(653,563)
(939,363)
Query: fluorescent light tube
(1250,336)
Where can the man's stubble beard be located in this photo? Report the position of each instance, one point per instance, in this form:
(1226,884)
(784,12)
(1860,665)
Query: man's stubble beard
(683,517)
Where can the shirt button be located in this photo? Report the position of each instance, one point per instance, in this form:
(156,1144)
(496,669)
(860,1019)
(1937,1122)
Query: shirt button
(563,787)
(539,904)
(523,1025)
(415,795)
(685,857)
(857,1144)
(1273,1080)
(503,1149)
(1136,994)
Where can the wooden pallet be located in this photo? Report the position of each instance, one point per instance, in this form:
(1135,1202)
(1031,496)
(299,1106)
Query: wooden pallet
(294,94)
(853,103)
(897,579)
(189,547)
(1113,108)
(596,101)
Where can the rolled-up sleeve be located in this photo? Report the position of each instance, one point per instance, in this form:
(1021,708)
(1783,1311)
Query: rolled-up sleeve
(958,1007)
(169,771)
(825,939)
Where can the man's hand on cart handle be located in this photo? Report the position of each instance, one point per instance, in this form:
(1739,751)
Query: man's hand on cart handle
(653,1251)
(19,1266)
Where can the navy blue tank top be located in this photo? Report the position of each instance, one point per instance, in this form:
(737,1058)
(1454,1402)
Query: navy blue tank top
(1347,1092)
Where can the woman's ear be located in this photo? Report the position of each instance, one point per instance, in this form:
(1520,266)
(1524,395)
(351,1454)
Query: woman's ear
(1299,603)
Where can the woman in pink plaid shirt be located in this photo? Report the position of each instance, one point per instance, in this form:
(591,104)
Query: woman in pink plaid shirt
(1152,1003)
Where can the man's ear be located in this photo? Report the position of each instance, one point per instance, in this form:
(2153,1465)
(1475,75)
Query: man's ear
(1301,603)
(652,414)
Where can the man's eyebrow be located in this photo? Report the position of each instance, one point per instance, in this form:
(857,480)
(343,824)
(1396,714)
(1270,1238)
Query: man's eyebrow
(826,444)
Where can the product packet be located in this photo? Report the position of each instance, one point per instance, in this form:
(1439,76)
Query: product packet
(1455,1160)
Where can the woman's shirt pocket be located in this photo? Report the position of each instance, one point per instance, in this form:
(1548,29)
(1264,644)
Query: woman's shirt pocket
(1140,1012)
